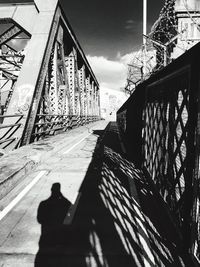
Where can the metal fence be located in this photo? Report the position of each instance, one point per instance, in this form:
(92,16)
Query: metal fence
(7,131)
(160,124)
(165,139)
(46,124)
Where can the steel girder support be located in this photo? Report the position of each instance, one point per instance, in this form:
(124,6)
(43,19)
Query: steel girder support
(77,86)
(56,89)
(59,81)
(70,67)
(87,95)
(50,52)
(93,98)
(10,63)
(99,102)
(90,97)
(65,99)
(53,84)
(9,34)
(82,88)
(28,89)
(49,80)
(64,105)
(96,101)
(9,95)
(59,95)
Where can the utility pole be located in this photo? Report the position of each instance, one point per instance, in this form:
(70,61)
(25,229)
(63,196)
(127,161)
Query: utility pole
(144,34)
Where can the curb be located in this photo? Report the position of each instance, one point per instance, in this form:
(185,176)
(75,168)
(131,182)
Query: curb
(33,159)
(13,179)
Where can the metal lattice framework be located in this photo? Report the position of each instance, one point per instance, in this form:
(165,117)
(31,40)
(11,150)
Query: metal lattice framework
(63,98)
(174,32)
(11,59)
(51,83)
(161,126)
(165,139)
(13,41)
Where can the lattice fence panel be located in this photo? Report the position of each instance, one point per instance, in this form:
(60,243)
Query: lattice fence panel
(165,143)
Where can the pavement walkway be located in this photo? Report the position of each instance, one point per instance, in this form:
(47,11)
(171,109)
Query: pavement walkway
(91,208)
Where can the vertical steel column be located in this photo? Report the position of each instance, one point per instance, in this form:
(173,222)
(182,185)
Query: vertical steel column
(85,93)
(77,86)
(70,66)
(41,68)
(88,95)
(98,102)
(67,105)
(81,75)
(93,98)
(53,93)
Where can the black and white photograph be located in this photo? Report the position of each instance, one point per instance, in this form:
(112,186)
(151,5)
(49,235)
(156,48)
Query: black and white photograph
(99,133)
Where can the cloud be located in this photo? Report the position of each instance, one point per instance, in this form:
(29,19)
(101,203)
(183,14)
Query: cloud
(130,21)
(110,73)
(113,74)
(126,59)
(133,26)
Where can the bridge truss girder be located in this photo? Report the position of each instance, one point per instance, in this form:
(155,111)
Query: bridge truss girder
(55,79)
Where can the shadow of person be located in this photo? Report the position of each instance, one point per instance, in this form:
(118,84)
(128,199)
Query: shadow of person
(51,214)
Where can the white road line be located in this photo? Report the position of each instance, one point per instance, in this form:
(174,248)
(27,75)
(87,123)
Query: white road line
(67,151)
(12,204)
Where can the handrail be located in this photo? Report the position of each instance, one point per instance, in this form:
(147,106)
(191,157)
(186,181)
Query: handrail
(10,125)
(55,123)
(7,136)
(7,140)
(160,127)
(11,116)
(54,115)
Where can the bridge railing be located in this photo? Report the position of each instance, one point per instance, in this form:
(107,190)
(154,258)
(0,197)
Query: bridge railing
(161,130)
(48,124)
(7,131)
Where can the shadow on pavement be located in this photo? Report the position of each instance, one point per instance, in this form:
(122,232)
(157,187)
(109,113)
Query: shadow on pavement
(110,227)
(51,214)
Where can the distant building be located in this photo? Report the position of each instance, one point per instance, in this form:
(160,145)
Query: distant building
(188,17)
(175,31)
(111,101)
(177,28)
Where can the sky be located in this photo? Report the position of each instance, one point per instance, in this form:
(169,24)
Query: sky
(109,27)
(109,31)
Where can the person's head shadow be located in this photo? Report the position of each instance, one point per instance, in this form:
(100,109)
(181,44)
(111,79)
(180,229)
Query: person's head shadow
(51,215)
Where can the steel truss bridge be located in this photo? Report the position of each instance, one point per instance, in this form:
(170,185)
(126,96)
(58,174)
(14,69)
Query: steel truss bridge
(47,86)
(46,82)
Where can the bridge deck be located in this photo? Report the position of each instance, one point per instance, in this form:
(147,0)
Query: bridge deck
(109,215)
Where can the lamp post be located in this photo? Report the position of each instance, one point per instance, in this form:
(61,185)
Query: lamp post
(144,34)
